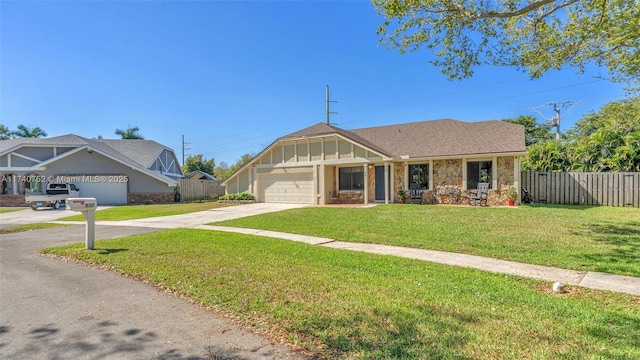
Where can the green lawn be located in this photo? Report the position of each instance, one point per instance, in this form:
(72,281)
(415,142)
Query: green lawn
(6,210)
(29,227)
(129,212)
(343,304)
(603,239)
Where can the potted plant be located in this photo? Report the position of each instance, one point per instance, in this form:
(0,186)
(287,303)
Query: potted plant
(512,195)
(402,194)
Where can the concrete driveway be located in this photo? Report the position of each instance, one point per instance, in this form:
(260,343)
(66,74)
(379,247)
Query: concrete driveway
(28,216)
(50,309)
(203,217)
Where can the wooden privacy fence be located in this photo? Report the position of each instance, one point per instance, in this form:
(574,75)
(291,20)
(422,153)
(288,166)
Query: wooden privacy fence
(198,190)
(608,189)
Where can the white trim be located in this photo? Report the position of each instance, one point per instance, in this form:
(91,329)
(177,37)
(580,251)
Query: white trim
(28,158)
(431,176)
(462,156)
(516,176)
(406,175)
(464,174)
(386,182)
(494,173)
(366,183)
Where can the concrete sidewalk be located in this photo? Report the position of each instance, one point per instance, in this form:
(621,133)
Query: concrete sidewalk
(588,279)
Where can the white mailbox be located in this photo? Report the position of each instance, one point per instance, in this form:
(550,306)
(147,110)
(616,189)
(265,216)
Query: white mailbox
(87,206)
(81,204)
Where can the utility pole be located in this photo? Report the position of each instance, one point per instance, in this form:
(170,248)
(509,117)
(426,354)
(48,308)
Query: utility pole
(183,148)
(555,119)
(327,106)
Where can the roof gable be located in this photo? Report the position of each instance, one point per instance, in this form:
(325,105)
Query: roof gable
(138,154)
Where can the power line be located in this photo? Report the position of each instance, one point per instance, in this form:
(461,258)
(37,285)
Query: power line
(490,100)
(183,148)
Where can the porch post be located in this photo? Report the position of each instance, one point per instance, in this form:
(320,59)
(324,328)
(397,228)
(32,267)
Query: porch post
(14,184)
(406,176)
(516,176)
(386,182)
(464,174)
(392,182)
(494,173)
(366,183)
(431,176)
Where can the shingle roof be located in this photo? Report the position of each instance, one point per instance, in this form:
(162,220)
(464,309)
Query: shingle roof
(445,137)
(135,153)
(144,152)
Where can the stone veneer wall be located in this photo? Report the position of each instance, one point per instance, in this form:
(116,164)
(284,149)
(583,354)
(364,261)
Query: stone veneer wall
(505,180)
(371,183)
(351,198)
(398,181)
(154,198)
(447,172)
(447,179)
(447,182)
(12,200)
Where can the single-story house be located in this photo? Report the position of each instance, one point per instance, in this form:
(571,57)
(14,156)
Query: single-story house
(112,171)
(444,159)
(199,175)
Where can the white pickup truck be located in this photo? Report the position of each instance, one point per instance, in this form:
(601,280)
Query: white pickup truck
(55,196)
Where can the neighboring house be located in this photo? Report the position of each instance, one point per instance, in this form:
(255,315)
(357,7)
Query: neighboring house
(112,171)
(445,159)
(199,175)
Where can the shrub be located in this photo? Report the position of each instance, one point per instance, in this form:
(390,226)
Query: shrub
(238,196)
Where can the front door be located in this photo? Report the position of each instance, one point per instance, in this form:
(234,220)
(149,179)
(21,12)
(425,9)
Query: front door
(380,183)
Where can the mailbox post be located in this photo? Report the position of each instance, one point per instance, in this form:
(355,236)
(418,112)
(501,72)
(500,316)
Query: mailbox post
(87,206)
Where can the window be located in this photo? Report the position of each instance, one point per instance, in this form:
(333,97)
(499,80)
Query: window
(32,183)
(351,178)
(477,172)
(419,177)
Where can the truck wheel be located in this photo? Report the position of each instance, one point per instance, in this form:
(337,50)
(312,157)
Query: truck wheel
(56,205)
(33,207)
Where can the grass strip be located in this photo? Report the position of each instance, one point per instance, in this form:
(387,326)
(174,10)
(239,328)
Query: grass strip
(29,227)
(8,210)
(605,239)
(130,212)
(342,304)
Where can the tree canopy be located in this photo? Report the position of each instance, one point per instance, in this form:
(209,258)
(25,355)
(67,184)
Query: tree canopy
(26,132)
(533,35)
(198,162)
(5,133)
(603,141)
(533,131)
(130,133)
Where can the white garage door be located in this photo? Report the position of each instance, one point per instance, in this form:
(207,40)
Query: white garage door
(287,188)
(106,193)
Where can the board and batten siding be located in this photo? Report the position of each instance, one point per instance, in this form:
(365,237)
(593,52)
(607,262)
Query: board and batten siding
(606,189)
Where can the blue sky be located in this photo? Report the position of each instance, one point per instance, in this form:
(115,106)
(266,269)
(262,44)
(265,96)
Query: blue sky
(234,76)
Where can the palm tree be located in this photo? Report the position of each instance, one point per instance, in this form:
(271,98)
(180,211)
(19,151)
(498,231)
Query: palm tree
(130,133)
(5,133)
(26,132)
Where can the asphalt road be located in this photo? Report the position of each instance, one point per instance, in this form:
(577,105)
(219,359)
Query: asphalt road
(50,309)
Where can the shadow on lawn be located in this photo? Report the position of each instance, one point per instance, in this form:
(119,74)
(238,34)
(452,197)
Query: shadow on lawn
(110,251)
(396,334)
(624,242)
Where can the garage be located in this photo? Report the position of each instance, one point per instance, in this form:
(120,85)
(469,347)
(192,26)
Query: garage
(286,188)
(106,193)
